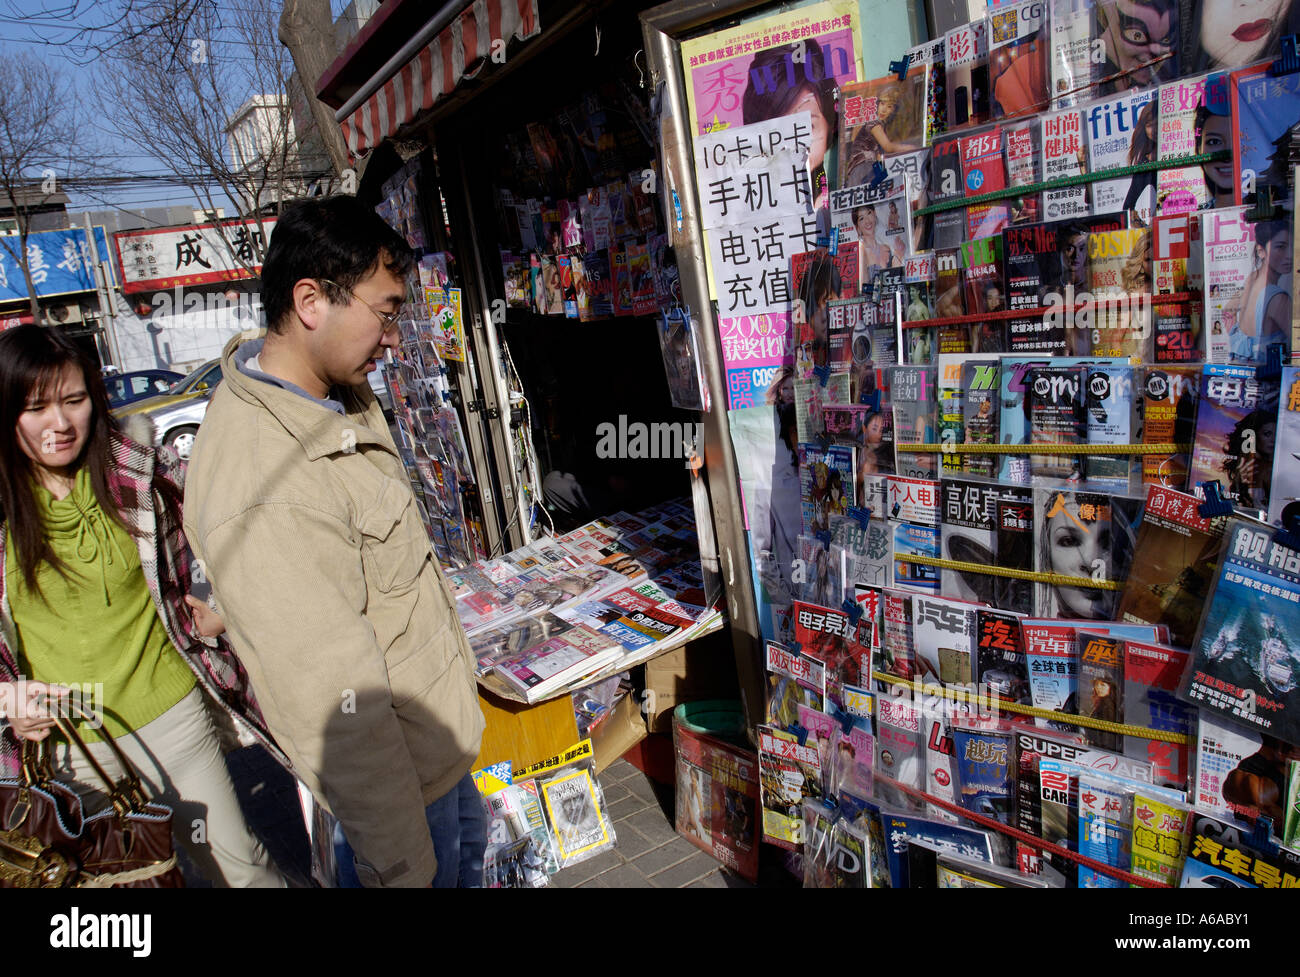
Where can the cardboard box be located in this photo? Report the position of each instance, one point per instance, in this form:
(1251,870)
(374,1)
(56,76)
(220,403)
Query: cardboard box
(621,730)
(704,669)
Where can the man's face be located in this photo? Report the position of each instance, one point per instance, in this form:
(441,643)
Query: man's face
(351,337)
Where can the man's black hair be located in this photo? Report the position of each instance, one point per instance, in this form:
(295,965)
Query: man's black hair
(338,238)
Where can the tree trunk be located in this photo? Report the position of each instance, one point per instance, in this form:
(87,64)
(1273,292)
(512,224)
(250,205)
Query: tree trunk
(307,30)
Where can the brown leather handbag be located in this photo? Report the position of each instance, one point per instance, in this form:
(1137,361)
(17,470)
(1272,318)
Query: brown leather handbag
(47,841)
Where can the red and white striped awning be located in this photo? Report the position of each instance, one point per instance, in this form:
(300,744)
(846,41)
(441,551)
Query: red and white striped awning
(437,69)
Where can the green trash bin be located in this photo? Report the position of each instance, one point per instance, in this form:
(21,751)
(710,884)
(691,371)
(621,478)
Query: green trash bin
(723,718)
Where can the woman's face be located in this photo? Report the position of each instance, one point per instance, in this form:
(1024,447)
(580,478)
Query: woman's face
(1078,547)
(866,223)
(875,429)
(1217,135)
(53,429)
(1235,32)
(1278,254)
(808,102)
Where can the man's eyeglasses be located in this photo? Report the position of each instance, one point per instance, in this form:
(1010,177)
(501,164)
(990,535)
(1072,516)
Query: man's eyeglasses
(389,319)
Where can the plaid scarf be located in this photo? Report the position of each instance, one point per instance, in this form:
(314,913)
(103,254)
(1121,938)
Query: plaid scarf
(147,485)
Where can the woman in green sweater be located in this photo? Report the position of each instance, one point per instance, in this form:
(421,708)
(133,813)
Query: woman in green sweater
(93,597)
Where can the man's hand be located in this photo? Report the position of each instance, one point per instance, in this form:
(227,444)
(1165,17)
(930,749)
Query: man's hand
(208,621)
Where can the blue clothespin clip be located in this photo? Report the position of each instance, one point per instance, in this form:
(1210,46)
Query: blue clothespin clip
(1259,837)
(822,373)
(1289,62)
(853,609)
(799,732)
(861,513)
(1289,534)
(1272,368)
(795,647)
(896,510)
(1215,504)
(878,173)
(834,248)
(899,67)
(446,396)
(824,537)
(871,400)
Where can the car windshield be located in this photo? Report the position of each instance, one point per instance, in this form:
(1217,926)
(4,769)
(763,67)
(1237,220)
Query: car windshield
(192,378)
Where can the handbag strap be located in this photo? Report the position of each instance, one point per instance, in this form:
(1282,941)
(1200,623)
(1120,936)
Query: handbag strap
(127,794)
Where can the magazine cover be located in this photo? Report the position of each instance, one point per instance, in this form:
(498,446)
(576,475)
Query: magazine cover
(1174,565)
(717,802)
(1123,131)
(1053,671)
(1246,657)
(1105,827)
(687,388)
(1265,111)
(897,655)
(1228,263)
(1119,277)
(826,482)
(1219,34)
(969,535)
(793,680)
(902,829)
(1140,42)
(949,301)
(752,73)
(1064,154)
(1159,837)
(983,171)
(1072,68)
(948,227)
(788,773)
(966,62)
(579,825)
(913,397)
(912,170)
(1113,418)
(1002,668)
(918,306)
(914,540)
(1229,418)
(1284,493)
(1033,272)
(1056,401)
(1240,773)
(876,219)
(952,429)
(1015,537)
(943,640)
(981,389)
(1219,857)
(1082,534)
(931,55)
(880,118)
(982,283)
(1151,676)
(1022,150)
(1018,56)
(640,278)
(600,293)
(900,752)
(1176,267)
(1101,685)
(829,636)
(1181,189)
(1169,417)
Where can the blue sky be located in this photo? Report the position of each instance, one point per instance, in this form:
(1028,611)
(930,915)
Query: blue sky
(63,33)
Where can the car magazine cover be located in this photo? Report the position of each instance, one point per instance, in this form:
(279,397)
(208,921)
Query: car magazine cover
(1072,71)
(966,63)
(969,535)
(1101,685)
(1176,268)
(1113,418)
(1181,189)
(943,639)
(788,773)
(1246,658)
(879,118)
(1002,667)
(1063,154)
(1123,131)
(1219,856)
(1229,416)
(1175,563)
(1151,676)
(1018,55)
(982,763)
(983,171)
(1241,773)
(1169,417)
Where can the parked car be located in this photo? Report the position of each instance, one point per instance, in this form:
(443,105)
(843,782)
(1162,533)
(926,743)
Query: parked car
(177,414)
(127,388)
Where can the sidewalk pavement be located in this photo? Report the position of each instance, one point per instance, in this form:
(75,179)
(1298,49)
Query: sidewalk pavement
(649,853)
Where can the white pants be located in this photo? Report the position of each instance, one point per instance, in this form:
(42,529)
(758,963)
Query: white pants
(180,762)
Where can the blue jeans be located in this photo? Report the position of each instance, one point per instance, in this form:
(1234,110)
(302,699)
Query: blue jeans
(458,827)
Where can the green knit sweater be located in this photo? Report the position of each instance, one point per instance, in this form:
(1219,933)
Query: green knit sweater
(98,627)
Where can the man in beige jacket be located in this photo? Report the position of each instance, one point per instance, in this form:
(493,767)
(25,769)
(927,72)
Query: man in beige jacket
(299,508)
